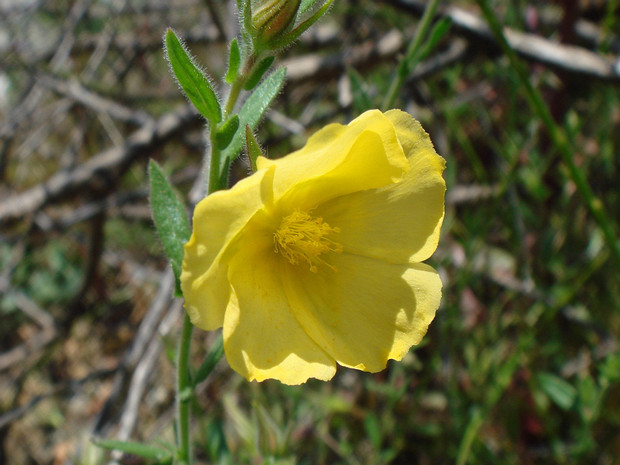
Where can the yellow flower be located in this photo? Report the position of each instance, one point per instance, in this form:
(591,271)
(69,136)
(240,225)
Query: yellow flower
(314,260)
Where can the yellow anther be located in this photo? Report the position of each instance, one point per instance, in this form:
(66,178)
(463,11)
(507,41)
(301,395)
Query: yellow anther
(301,237)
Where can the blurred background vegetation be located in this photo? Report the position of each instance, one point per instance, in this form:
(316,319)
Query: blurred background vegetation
(522,363)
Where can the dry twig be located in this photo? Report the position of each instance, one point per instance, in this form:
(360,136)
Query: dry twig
(569,58)
(103,169)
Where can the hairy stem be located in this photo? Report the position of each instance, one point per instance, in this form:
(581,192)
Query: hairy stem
(216,181)
(237,85)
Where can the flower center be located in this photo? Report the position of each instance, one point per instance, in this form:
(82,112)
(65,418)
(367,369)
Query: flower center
(301,237)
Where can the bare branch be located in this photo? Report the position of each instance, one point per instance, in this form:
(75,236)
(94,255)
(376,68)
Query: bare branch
(35,343)
(75,91)
(102,168)
(570,58)
(314,65)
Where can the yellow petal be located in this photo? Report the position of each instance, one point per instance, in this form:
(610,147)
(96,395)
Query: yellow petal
(399,223)
(262,338)
(340,159)
(414,139)
(368,311)
(218,219)
(317,142)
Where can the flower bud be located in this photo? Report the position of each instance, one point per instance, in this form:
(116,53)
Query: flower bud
(275,24)
(271,18)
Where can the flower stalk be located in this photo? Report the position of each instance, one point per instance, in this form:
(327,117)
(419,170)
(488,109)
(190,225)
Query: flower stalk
(215,182)
(183,396)
(237,85)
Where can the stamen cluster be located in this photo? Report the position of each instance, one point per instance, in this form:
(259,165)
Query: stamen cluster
(301,237)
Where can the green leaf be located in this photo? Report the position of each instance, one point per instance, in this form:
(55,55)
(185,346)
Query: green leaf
(589,398)
(372,427)
(559,390)
(246,10)
(251,144)
(258,71)
(439,30)
(193,81)
(136,448)
(216,445)
(170,219)
(234,61)
(214,356)
(361,100)
(226,131)
(610,368)
(306,5)
(251,112)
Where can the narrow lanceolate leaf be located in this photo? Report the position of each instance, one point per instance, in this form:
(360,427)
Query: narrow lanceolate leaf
(257,72)
(215,354)
(246,8)
(439,30)
(559,390)
(306,5)
(361,100)
(193,81)
(251,113)
(170,219)
(226,131)
(234,61)
(251,144)
(136,448)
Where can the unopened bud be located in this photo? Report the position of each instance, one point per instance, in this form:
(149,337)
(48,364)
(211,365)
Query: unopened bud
(271,18)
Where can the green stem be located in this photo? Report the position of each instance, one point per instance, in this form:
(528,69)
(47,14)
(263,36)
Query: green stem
(412,56)
(216,181)
(184,393)
(237,86)
(235,90)
(184,387)
(558,137)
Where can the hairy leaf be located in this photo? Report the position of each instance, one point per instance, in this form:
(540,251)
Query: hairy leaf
(191,78)
(170,219)
(233,62)
(251,112)
(226,131)
(258,72)
(251,144)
